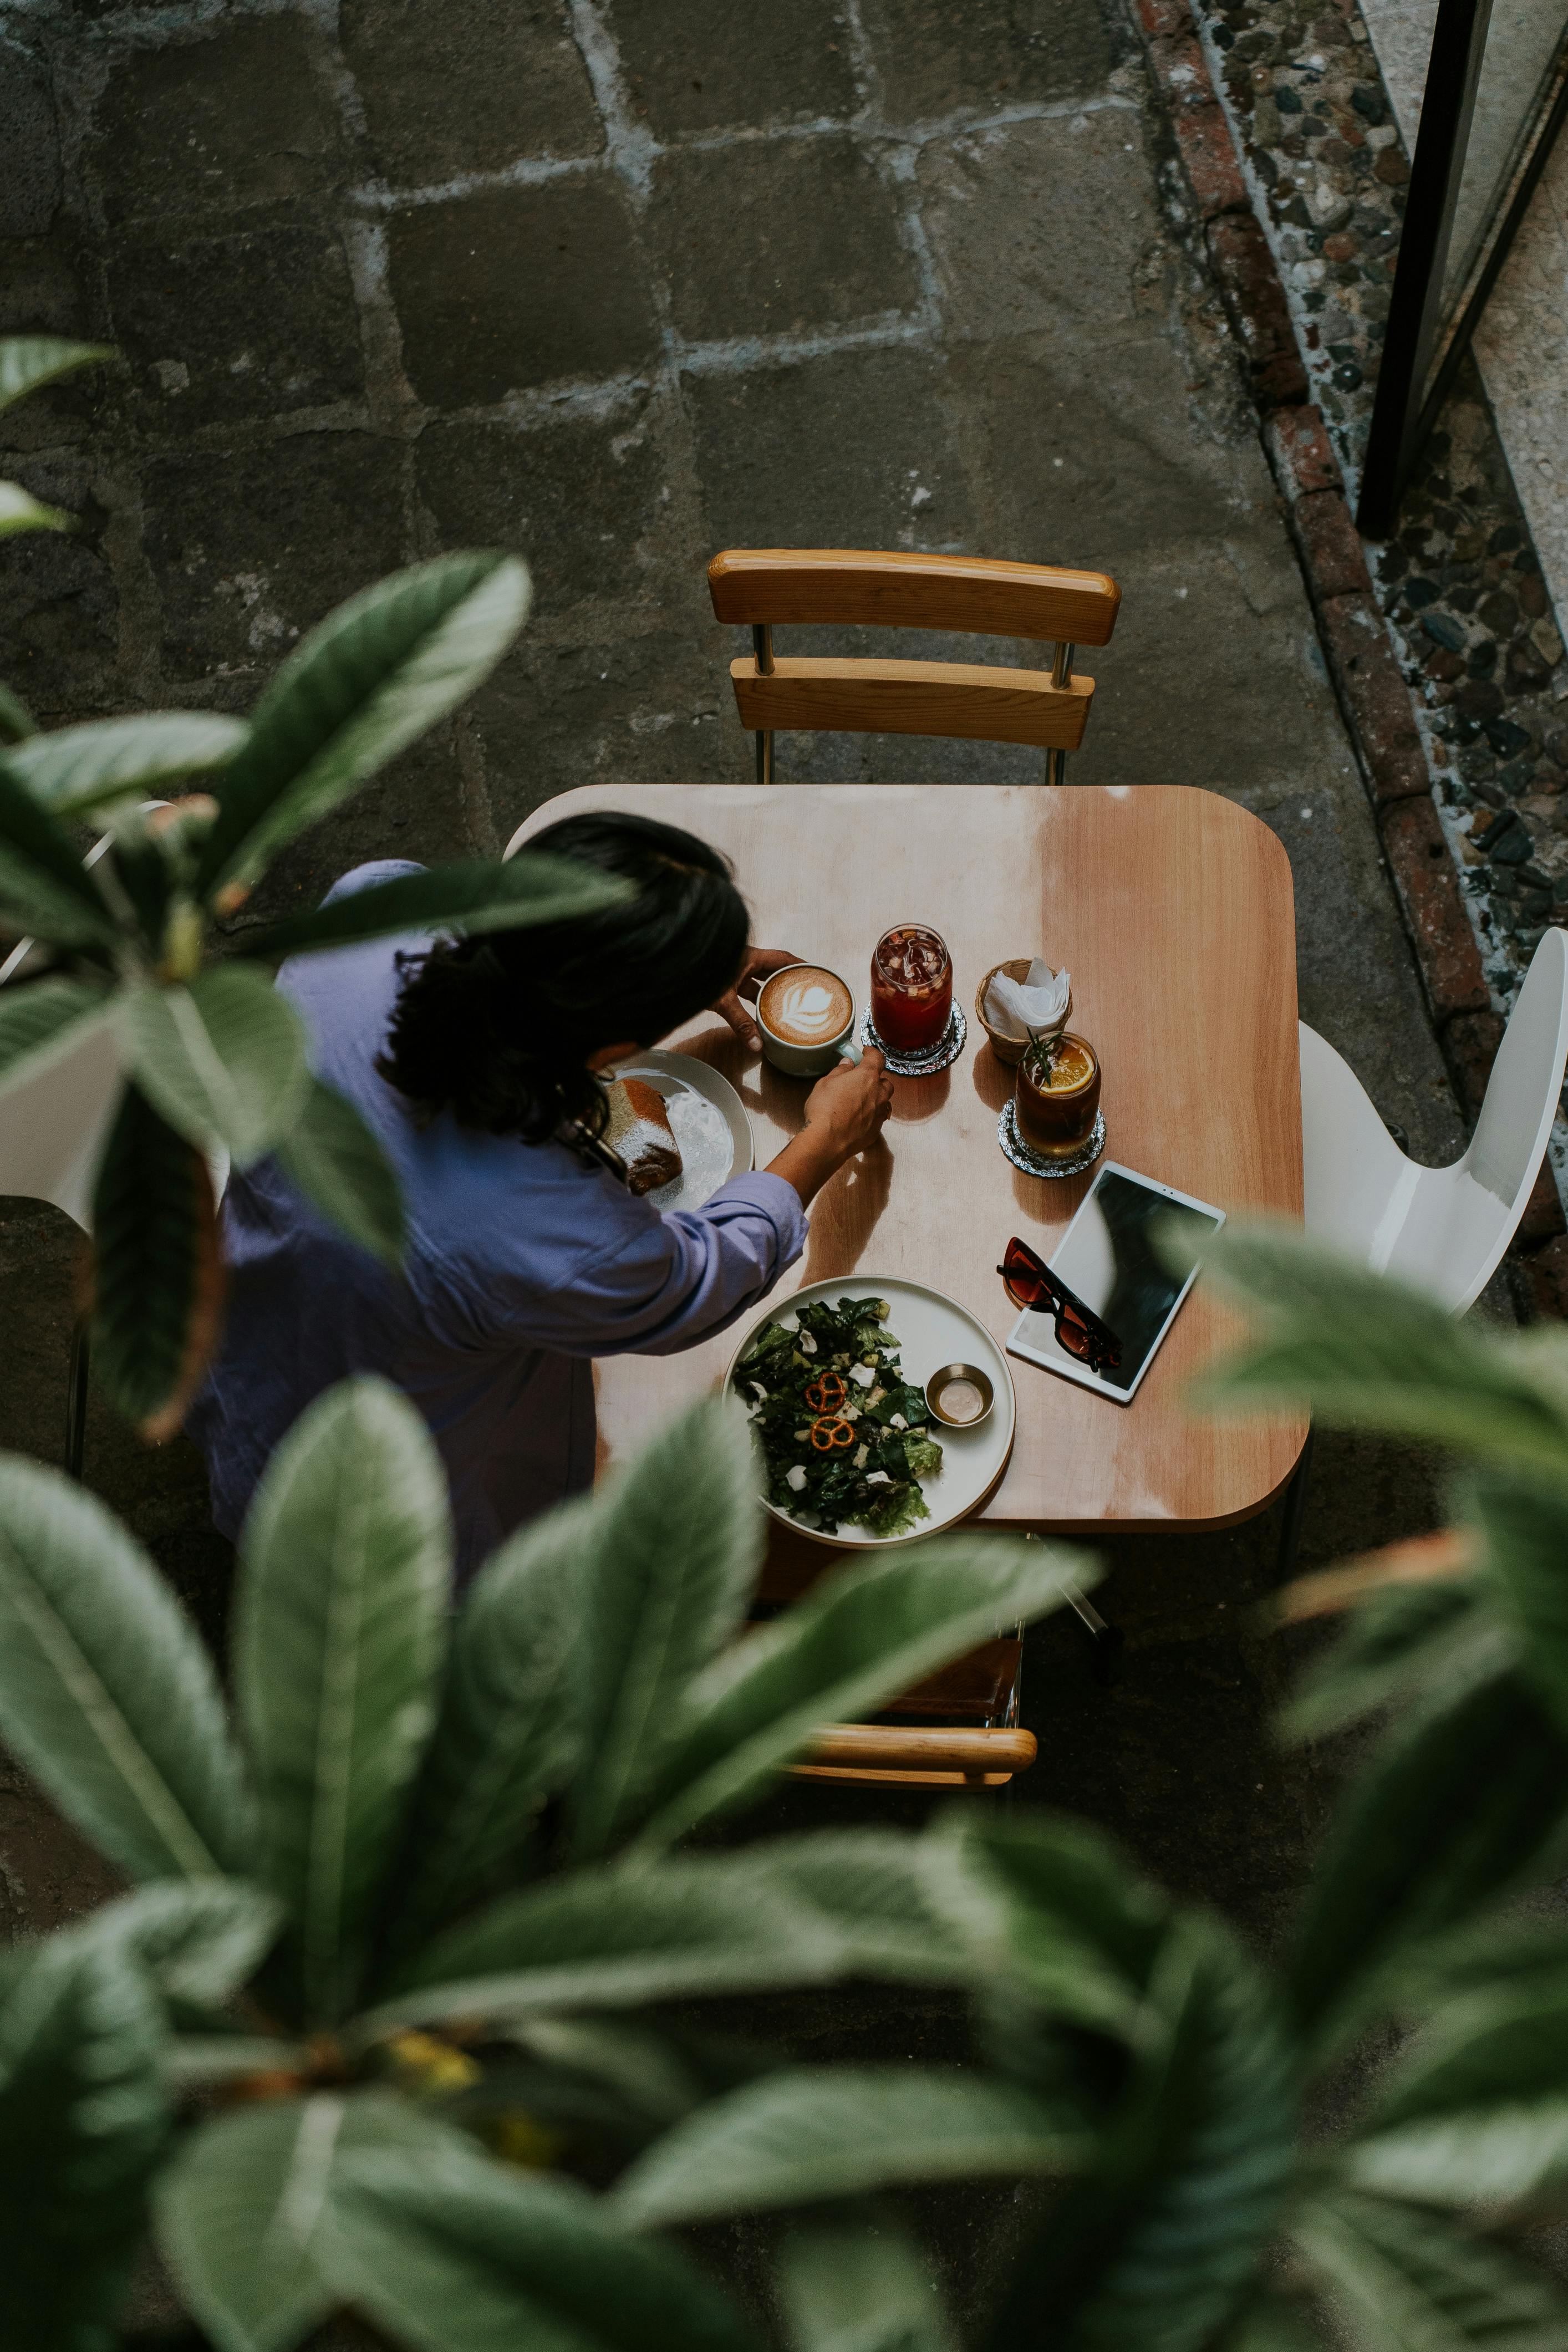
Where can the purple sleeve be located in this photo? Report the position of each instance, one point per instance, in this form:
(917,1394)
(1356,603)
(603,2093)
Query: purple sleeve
(668,1282)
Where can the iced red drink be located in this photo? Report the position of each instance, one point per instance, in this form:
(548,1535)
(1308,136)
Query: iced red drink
(912,988)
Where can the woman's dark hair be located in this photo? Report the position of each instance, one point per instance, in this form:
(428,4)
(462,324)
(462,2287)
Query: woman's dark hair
(499,1029)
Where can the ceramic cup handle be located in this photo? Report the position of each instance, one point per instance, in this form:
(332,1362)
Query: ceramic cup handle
(851,1051)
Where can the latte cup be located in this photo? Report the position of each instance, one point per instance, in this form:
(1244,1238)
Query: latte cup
(794,1054)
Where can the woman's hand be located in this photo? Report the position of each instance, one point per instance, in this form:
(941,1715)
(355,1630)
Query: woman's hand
(849,1109)
(845,1112)
(760,964)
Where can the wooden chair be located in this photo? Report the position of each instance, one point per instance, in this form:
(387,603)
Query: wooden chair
(761,588)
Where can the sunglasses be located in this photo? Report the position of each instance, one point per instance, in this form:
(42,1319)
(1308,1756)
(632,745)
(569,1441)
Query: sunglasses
(1031,1284)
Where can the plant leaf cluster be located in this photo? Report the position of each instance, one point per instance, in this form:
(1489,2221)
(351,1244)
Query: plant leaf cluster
(409,1909)
(212,1062)
(418,1938)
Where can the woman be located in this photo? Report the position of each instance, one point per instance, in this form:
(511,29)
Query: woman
(475,1061)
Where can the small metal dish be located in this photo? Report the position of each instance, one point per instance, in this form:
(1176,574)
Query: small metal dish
(939,1382)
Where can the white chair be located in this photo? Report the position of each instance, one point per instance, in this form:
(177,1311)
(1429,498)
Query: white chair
(1442,1229)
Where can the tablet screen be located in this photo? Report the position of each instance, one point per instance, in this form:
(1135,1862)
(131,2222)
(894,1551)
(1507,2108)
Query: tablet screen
(1109,1258)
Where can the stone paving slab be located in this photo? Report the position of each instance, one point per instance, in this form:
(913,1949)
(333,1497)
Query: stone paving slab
(631,279)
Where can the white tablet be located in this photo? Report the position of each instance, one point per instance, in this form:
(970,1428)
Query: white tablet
(1106,1257)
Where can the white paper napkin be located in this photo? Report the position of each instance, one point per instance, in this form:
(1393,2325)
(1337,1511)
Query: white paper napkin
(1035,1006)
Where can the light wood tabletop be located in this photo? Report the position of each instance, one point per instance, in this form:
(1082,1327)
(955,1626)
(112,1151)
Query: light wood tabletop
(1173,911)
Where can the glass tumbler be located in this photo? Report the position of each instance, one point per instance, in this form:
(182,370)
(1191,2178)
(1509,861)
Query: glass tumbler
(1056,1102)
(912,988)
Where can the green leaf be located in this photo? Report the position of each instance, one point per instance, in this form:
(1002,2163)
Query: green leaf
(669,1556)
(507,1732)
(1160,2244)
(223,1060)
(472,894)
(337,1161)
(1525,1522)
(157,1277)
(108,760)
(850,2285)
(29,361)
(84,2114)
(1464,1799)
(199,2061)
(1398,1643)
(44,885)
(814,2132)
(1062,1909)
(347,1552)
(377,672)
(1274,2324)
(16,721)
(42,1021)
(197,1941)
(19,510)
(1476,2112)
(1403,2281)
(1363,1350)
(106,1693)
(460,2256)
(883,1896)
(861,1636)
(240,2212)
(613,1938)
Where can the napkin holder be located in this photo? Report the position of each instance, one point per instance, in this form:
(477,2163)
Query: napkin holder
(1010,1050)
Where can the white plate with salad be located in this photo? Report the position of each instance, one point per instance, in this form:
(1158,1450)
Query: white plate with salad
(848,1451)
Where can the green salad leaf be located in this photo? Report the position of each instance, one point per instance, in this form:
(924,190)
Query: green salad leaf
(844,1439)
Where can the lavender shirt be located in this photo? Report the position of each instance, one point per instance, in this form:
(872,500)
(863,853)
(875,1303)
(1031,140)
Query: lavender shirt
(522,1263)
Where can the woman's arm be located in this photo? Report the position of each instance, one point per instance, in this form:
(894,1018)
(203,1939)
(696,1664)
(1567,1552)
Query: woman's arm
(845,1112)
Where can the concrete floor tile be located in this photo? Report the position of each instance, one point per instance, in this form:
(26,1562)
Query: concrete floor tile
(236,118)
(851,449)
(251,547)
(451,86)
(238,325)
(777,237)
(514,287)
(934,56)
(30,140)
(583,498)
(1041,225)
(58,601)
(641,709)
(706,66)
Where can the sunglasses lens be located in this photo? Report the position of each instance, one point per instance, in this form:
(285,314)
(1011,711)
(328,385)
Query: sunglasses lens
(1073,1335)
(1023,1284)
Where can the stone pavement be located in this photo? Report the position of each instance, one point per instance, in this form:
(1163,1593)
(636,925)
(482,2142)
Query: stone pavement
(616,283)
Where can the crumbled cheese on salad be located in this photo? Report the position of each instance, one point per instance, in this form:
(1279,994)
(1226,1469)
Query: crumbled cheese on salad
(839,1429)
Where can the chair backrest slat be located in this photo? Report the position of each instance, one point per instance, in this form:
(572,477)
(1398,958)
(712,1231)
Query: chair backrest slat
(872,698)
(857,587)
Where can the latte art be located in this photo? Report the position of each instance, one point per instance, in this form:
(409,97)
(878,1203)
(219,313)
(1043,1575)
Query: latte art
(807,1007)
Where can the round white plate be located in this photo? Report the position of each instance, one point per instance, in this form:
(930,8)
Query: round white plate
(674,1076)
(932,1329)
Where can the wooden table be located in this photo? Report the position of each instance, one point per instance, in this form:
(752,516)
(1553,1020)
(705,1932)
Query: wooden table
(1172,910)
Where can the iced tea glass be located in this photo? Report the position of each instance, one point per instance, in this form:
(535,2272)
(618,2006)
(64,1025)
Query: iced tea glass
(912,988)
(1057,1096)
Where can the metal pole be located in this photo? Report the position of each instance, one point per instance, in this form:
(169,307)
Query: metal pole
(1061,675)
(762,653)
